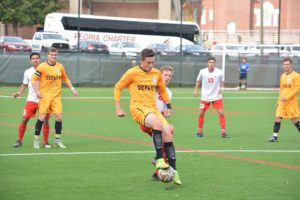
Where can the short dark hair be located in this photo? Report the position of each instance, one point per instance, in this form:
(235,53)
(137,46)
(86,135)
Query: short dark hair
(34,54)
(287,59)
(211,58)
(147,53)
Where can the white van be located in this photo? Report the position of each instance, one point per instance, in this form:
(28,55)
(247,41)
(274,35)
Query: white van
(293,50)
(231,50)
(267,50)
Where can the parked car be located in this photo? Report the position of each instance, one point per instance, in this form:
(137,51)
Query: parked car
(266,50)
(231,50)
(42,41)
(125,49)
(92,46)
(12,43)
(163,49)
(192,49)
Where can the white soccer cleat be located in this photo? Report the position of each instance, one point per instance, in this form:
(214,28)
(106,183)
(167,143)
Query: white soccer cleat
(36,144)
(60,145)
(47,145)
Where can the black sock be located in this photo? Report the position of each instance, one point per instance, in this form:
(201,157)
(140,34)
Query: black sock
(58,127)
(276,128)
(240,84)
(297,124)
(38,127)
(157,141)
(170,153)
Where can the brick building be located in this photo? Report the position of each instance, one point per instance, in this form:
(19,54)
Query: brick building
(239,21)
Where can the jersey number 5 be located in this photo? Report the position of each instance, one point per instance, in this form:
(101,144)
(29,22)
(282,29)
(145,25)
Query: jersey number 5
(24,112)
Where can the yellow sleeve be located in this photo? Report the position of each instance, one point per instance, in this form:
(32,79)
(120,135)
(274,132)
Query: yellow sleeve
(280,90)
(64,75)
(295,88)
(121,84)
(37,75)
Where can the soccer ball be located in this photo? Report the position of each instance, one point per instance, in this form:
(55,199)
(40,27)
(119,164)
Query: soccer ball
(166,175)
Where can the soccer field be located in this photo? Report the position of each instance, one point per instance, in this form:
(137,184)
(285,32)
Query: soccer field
(109,157)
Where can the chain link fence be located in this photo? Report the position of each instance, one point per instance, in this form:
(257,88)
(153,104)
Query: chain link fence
(104,70)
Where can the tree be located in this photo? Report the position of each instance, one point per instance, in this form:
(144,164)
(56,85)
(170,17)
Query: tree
(26,12)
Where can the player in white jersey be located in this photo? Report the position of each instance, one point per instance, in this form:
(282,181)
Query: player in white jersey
(212,81)
(159,102)
(31,105)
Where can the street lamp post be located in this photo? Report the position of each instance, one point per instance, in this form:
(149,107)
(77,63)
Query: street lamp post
(78,40)
(261,26)
(279,20)
(78,25)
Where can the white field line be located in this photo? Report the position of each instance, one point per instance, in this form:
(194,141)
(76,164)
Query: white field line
(184,98)
(230,92)
(145,152)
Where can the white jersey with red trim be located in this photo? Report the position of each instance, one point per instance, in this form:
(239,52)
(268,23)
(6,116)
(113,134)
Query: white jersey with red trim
(27,81)
(160,104)
(211,84)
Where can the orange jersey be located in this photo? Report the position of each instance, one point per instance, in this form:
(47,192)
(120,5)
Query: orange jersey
(289,86)
(142,87)
(50,77)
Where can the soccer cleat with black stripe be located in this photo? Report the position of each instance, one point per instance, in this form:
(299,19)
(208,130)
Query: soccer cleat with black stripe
(272,139)
(17,144)
(225,135)
(199,135)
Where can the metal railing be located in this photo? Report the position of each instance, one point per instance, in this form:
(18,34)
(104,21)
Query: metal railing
(243,37)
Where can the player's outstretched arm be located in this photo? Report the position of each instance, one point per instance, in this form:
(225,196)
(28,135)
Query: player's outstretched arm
(197,84)
(119,111)
(221,87)
(20,91)
(74,91)
(35,86)
(70,85)
(167,112)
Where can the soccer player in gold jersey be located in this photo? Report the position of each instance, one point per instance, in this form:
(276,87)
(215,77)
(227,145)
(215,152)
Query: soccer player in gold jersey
(46,83)
(287,105)
(142,82)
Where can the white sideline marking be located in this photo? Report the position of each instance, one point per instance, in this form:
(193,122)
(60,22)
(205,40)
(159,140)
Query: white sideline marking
(144,152)
(194,98)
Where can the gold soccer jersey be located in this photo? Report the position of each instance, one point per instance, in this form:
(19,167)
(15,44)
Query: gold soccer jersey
(289,88)
(142,87)
(50,77)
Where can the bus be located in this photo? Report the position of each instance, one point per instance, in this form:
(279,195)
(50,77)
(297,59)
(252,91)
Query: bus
(119,29)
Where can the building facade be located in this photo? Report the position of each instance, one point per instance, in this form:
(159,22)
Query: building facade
(239,21)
